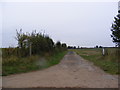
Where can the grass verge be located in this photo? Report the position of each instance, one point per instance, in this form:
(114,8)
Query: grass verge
(109,63)
(13,64)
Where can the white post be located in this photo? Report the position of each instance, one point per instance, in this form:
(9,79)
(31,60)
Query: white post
(103,51)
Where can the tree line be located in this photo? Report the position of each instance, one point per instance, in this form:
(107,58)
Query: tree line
(34,43)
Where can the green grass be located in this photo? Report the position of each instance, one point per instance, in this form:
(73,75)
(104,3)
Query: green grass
(55,59)
(50,60)
(109,63)
(13,64)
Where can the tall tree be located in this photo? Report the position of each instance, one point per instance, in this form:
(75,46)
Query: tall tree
(116,30)
(58,44)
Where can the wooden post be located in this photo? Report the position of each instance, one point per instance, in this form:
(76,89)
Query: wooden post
(103,51)
(30,49)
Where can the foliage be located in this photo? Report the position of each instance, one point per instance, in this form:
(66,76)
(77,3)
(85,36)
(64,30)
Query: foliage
(13,64)
(116,30)
(64,46)
(19,59)
(37,42)
(58,44)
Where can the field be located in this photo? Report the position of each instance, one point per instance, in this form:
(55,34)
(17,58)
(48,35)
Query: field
(13,64)
(109,62)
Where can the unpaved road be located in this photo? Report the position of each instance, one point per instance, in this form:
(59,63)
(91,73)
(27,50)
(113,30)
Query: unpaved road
(73,71)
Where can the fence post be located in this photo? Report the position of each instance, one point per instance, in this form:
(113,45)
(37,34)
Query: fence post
(103,51)
(30,49)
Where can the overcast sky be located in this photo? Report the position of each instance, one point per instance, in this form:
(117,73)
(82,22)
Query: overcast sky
(75,23)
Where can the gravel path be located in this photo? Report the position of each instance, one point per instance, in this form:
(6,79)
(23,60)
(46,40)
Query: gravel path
(73,71)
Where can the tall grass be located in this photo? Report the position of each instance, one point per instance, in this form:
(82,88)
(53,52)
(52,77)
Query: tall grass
(112,54)
(109,62)
(14,64)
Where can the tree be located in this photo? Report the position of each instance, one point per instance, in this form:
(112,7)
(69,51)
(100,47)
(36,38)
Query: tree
(23,43)
(64,46)
(39,43)
(100,46)
(74,47)
(22,39)
(116,30)
(96,46)
(58,44)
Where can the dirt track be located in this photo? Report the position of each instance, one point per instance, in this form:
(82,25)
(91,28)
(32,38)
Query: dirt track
(73,71)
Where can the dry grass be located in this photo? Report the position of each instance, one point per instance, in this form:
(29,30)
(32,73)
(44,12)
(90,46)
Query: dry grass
(109,62)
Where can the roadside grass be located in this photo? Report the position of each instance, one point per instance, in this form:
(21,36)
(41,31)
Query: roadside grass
(109,63)
(13,64)
(50,60)
(55,59)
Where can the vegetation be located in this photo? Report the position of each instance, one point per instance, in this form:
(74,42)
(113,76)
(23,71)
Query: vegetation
(35,51)
(38,42)
(109,62)
(55,59)
(14,64)
(116,30)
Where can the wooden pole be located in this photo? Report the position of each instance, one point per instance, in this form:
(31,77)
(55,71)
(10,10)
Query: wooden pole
(30,49)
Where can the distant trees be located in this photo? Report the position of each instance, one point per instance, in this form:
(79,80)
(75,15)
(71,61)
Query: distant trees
(38,42)
(58,44)
(96,46)
(64,46)
(100,47)
(115,28)
(71,47)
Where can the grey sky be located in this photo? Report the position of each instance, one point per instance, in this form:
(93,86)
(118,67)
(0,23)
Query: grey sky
(82,23)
